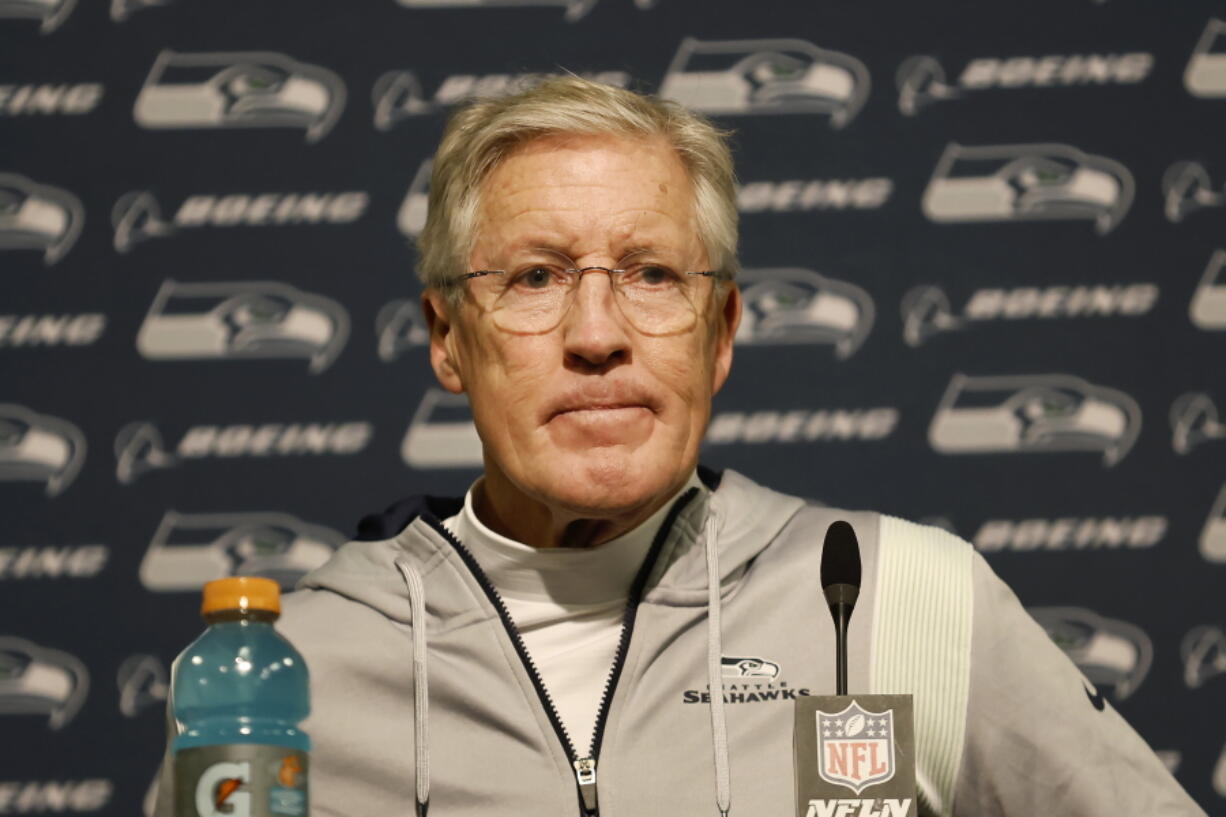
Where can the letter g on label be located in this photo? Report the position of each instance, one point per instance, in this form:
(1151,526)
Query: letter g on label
(239,802)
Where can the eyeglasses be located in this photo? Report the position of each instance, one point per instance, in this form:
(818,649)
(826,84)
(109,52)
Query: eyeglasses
(655,299)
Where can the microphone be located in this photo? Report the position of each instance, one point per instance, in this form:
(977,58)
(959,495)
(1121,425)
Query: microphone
(841,586)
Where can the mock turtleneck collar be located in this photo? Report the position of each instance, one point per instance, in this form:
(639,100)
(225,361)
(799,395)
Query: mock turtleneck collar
(590,575)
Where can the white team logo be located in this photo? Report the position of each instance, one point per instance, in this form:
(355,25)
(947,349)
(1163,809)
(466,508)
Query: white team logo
(245,89)
(747,667)
(267,319)
(855,747)
(575,9)
(791,305)
(1204,655)
(1186,188)
(35,680)
(921,81)
(1027,183)
(49,13)
(411,217)
(441,433)
(1034,413)
(1206,72)
(38,448)
(400,326)
(1111,653)
(732,77)
(189,549)
(143,682)
(123,9)
(38,217)
(1213,535)
(1194,420)
(1208,306)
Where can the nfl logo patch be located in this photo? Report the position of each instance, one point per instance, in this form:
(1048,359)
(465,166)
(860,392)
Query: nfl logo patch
(855,747)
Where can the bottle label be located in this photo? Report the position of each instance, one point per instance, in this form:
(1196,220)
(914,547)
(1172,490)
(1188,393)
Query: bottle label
(241,780)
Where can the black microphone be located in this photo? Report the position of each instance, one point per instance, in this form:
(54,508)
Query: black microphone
(841,585)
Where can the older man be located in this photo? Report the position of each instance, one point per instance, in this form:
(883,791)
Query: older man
(550,644)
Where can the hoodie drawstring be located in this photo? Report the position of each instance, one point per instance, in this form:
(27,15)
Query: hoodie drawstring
(715,651)
(421,690)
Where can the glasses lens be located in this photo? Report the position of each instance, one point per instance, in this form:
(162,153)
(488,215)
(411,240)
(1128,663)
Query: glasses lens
(654,299)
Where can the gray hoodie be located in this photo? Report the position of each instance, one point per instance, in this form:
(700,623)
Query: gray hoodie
(452,715)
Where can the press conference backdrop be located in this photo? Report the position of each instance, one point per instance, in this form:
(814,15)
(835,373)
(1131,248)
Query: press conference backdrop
(985,287)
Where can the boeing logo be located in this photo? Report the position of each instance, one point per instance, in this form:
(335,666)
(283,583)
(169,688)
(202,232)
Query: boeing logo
(1204,655)
(1016,414)
(1071,533)
(574,9)
(248,89)
(189,549)
(1111,653)
(143,683)
(400,95)
(802,425)
(921,80)
(1194,420)
(139,447)
(49,99)
(772,76)
(37,216)
(1027,183)
(400,326)
(806,195)
(137,216)
(53,561)
(23,331)
(1186,188)
(411,217)
(1213,534)
(792,305)
(223,321)
(50,796)
(926,310)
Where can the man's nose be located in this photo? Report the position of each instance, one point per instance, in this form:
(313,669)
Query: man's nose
(594,329)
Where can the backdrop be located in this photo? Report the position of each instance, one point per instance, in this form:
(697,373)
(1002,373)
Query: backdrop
(984,256)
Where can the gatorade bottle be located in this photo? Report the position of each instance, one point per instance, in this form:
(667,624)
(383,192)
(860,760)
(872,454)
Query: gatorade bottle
(240,691)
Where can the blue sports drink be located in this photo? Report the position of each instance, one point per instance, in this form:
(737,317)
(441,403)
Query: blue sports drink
(240,690)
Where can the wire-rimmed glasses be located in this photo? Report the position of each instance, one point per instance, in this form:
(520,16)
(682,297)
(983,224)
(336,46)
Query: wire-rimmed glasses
(532,299)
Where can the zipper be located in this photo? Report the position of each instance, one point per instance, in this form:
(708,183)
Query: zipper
(585,767)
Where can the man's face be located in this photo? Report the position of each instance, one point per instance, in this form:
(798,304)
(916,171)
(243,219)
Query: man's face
(592,418)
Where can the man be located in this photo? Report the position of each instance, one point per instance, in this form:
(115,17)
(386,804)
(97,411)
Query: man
(557,641)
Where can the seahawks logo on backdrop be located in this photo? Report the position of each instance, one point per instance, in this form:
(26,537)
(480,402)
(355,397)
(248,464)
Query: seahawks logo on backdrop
(772,76)
(49,13)
(224,321)
(39,448)
(1194,420)
(37,216)
(123,9)
(244,89)
(575,9)
(1015,414)
(35,680)
(1205,75)
(189,549)
(1213,534)
(1027,183)
(747,667)
(1113,654)
(792,305)
(1208,306)
(1204,655)
(1186,188)
(441,433)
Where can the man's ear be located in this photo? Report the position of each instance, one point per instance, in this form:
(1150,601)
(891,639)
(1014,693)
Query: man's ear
(443,357)
(728,320)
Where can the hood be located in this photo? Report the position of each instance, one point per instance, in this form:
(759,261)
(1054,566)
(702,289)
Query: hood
(364,570)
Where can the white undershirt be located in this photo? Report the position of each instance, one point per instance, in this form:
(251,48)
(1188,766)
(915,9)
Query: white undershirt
(567,603)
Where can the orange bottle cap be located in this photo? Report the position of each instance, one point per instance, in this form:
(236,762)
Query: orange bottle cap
(241,593)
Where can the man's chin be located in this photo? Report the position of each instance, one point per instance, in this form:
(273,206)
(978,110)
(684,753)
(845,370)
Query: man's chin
(607,482)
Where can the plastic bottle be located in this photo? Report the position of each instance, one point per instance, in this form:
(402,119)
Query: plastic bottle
(240,690)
